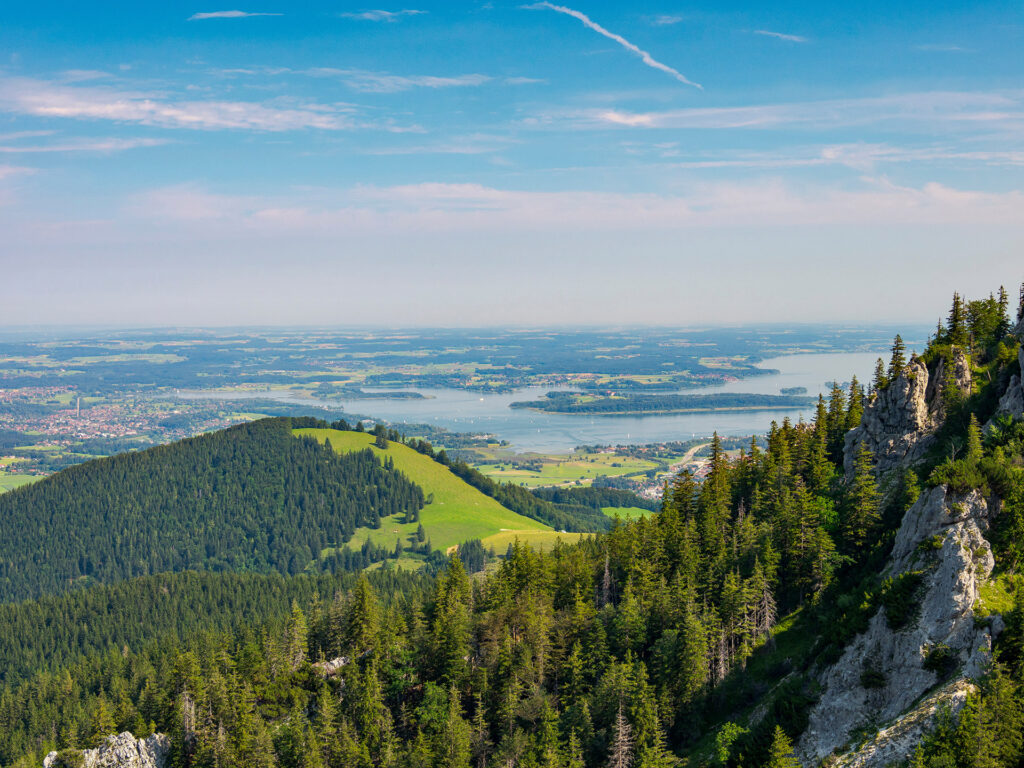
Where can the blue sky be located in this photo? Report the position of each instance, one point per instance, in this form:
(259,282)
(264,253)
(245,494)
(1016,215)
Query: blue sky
(482,163)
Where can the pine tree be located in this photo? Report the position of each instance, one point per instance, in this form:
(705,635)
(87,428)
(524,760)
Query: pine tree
(956,325)
(910,489)
(855,405)
(951,394)
(573,751)
(898,361)
(451,626)
(974,449)
(693,659)
(1003,324)
(103,724)
(780,754)
(480,740)
(453,749)
(862,512)
(621,752)
(836,420)
(362,627)
(880,381)
(296,638)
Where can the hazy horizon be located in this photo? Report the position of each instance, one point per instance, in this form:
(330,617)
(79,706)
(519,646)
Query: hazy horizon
(466,165)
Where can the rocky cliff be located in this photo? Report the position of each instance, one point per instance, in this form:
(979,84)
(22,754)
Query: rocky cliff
(1012,402)
(941,547)
(899,424)
(120,751)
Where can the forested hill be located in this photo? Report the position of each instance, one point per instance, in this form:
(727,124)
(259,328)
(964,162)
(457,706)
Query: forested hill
(845,592)
(252,497)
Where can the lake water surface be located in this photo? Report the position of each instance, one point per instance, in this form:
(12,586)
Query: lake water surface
(465,411)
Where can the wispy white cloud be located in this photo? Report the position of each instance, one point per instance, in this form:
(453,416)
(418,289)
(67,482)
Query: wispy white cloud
(474,144)
(940,48)
(368,81)
(781,36)
(383,82)
(46,99)
(647,59)
(82,75)
(228,15)
(7,171)
(523,80)
(18,135)
(388,16)
(666,19)
(910,110)
(83,145)
(448,208)
(859,156)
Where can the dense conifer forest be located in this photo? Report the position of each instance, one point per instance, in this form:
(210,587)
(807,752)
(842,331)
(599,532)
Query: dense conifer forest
(252,497)
(689,635)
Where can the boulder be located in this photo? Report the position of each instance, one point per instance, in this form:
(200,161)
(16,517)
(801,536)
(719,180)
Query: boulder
(121,751)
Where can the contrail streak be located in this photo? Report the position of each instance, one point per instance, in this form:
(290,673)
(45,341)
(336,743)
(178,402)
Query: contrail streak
(644,55)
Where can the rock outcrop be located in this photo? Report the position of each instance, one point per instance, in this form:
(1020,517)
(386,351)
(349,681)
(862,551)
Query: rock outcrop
(1012,402)
(899,425)
(120,751)
(961,375)
(882,673)
(893,743)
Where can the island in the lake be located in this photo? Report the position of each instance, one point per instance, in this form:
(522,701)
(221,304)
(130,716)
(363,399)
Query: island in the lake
(794,390)
(568,402)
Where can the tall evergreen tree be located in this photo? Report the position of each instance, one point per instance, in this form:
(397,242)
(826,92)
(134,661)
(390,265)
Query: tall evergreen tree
(880,380)
(898,361)
(621,752)
(780,754)
(862,505)
(956,325)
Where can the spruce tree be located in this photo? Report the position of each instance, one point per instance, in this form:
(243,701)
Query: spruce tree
(855,405)
(880,380)
(621,751)
(898,361)
(780,754)
(296,638)
(362,624)
(454,744)
(1003,324)
(951,395)
(956,325)
(862,509)
(974,448)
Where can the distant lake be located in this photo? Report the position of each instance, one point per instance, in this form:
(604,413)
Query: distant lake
(464,411)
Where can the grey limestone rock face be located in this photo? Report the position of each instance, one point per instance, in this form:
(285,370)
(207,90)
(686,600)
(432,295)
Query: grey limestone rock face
(123,751)
(892,744)
(941,537)
(897,426)
(1012,402)
(961,375)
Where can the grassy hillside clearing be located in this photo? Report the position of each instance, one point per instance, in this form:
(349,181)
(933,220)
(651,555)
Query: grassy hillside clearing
(626,513)
(10,482)
(458,511)
(537,470)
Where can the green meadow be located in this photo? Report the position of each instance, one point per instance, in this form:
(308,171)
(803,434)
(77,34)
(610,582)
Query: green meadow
(626,513)
(457,511)
(564,469)
(10,482)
